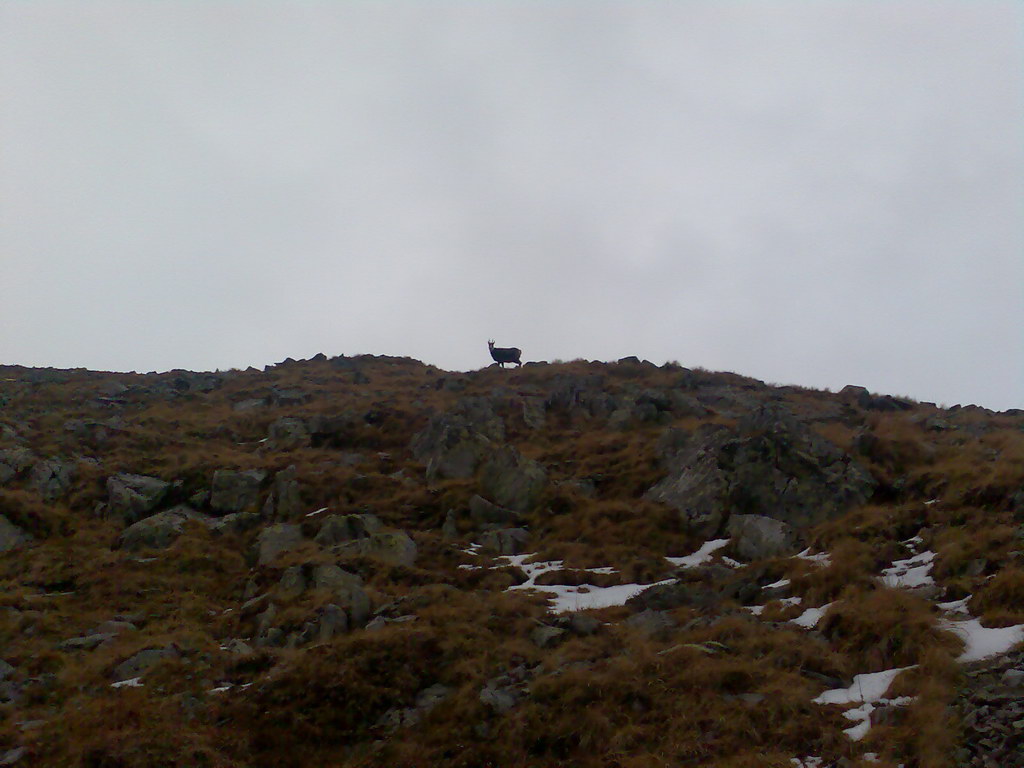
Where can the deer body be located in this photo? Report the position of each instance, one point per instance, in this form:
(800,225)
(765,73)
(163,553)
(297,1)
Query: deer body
(502,355)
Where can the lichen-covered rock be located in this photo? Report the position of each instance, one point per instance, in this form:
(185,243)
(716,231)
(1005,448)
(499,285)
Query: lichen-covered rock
(235,490)
(755,537)
(52,478)
(275,540)
(507,541)
(513,481)
(454,443)
(133,497)
(336,529)
(13,462)
(697,484)
(393,547)
(288,434)
(136,665)
(160,530)
(485,514)
(11,536)
(771,465)
(285,501)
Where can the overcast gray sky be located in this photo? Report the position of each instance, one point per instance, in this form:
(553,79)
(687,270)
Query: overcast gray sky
(806,192)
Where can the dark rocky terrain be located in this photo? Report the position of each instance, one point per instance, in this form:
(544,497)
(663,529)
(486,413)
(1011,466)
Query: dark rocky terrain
(368,561)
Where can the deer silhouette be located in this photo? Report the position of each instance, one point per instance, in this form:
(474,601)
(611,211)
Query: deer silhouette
(502,355)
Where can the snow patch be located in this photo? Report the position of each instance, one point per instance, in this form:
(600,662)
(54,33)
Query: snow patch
(867,692)
(810,618)
(910,573)
(572,597)
(131,682)
(821,558)
(701,556)
(983,642)
(316,512)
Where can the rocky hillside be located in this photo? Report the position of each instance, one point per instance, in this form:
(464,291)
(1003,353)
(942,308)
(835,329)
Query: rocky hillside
(367,561)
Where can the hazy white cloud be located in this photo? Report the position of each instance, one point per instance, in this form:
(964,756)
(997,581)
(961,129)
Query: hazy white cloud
(816,193)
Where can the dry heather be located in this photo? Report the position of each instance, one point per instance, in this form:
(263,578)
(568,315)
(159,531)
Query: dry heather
(310,572)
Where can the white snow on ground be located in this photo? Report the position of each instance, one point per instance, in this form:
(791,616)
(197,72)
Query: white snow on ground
(791,600)
(956,606)
(757,610)
(807,762)
(810,618)
(822,558)
(572,598)
(863,714)
(317,511)
(131,682)
(777,584)
(867,691)
(865,688)
(982,642)
(701,556)
(912,572)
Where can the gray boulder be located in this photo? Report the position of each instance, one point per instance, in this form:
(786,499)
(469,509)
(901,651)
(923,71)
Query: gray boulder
(52,478)
(349,590)
(771,465)
(454,443)
(133,497)
(513,481)
(6,670)
(235,490)
(534,412)
(394,548)
(653,623)
(697,485)
(288,434)
(14,461)
(755,537)
(11,536)
(292,583)
(274,540)
(333,622)
(337,529)
(507,541)
(160,530)
(285,501)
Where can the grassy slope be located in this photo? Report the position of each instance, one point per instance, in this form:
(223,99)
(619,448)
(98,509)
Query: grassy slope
(617,698)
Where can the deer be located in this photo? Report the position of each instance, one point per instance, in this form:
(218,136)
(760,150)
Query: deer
(502,355)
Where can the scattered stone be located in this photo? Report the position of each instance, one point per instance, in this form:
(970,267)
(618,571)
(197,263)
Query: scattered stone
(13,756)
(85,642)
